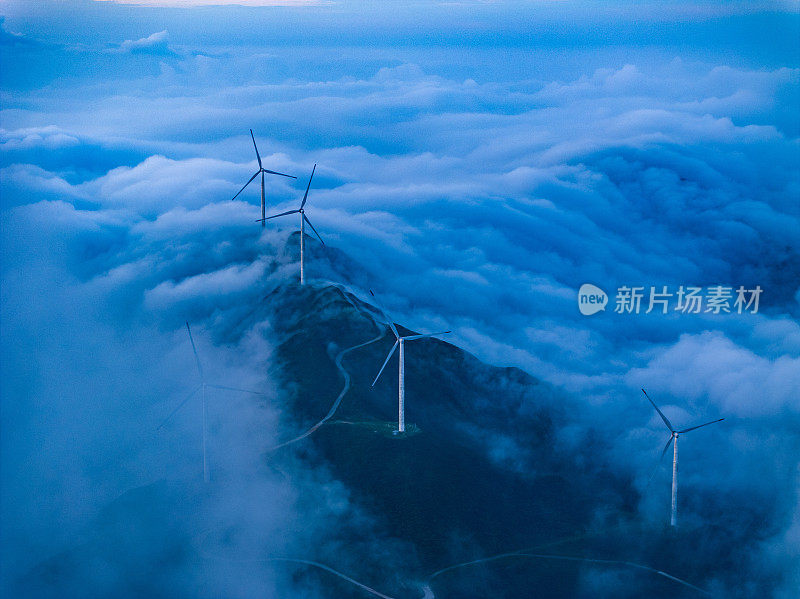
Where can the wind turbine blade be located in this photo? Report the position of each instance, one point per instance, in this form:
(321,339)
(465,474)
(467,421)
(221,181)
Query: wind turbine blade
(666,447)
(305,197)
(256,147)
(180,405)
(654,472)
(235,389)
(386,316)
(394,347)
(245,185)
(313,229)
(276,173)
(686,430)
(412,337)
(277,215)
(660,413)
(196,357)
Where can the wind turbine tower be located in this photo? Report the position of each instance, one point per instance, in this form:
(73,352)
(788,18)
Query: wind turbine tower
(261,170)
(206,475)
(202,387)
(673,440)
(401,387)
(303,220)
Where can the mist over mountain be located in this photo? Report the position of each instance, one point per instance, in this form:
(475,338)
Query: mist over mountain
(495,462)
(477,163)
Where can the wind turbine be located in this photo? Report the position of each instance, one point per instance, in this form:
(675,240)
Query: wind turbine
(202,386)
(303,220)
(399,340)
(674,439)
(261,170)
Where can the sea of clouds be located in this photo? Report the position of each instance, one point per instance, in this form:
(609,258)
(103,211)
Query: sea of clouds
(479,187)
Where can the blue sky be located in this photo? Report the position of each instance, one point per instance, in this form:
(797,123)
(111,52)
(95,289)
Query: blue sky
(481,160)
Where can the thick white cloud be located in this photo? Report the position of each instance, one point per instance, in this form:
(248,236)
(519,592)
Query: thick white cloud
(155,43)
(50,137)
(737,381)
(474,204)
(208,287)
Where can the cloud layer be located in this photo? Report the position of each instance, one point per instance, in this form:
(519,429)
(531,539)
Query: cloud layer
(475,199)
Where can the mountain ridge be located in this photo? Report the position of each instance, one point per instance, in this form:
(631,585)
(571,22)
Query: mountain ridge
(482,472)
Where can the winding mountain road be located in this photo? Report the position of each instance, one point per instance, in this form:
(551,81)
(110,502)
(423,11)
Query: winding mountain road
(332,571)
(346,375)
(425,588)
(607,562)
(305,562)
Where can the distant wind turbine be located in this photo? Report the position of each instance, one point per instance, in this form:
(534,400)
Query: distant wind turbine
(401,421)
(303,220)
(261,170)
(202,386)
(674,439)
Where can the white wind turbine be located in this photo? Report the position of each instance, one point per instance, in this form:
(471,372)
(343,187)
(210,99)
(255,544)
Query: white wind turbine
(202,386)
(261,170)
(674,439)
(303,220)
(399,340)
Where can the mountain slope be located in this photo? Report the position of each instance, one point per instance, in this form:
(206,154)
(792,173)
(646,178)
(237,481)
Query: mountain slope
(479,472)
(484,470)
